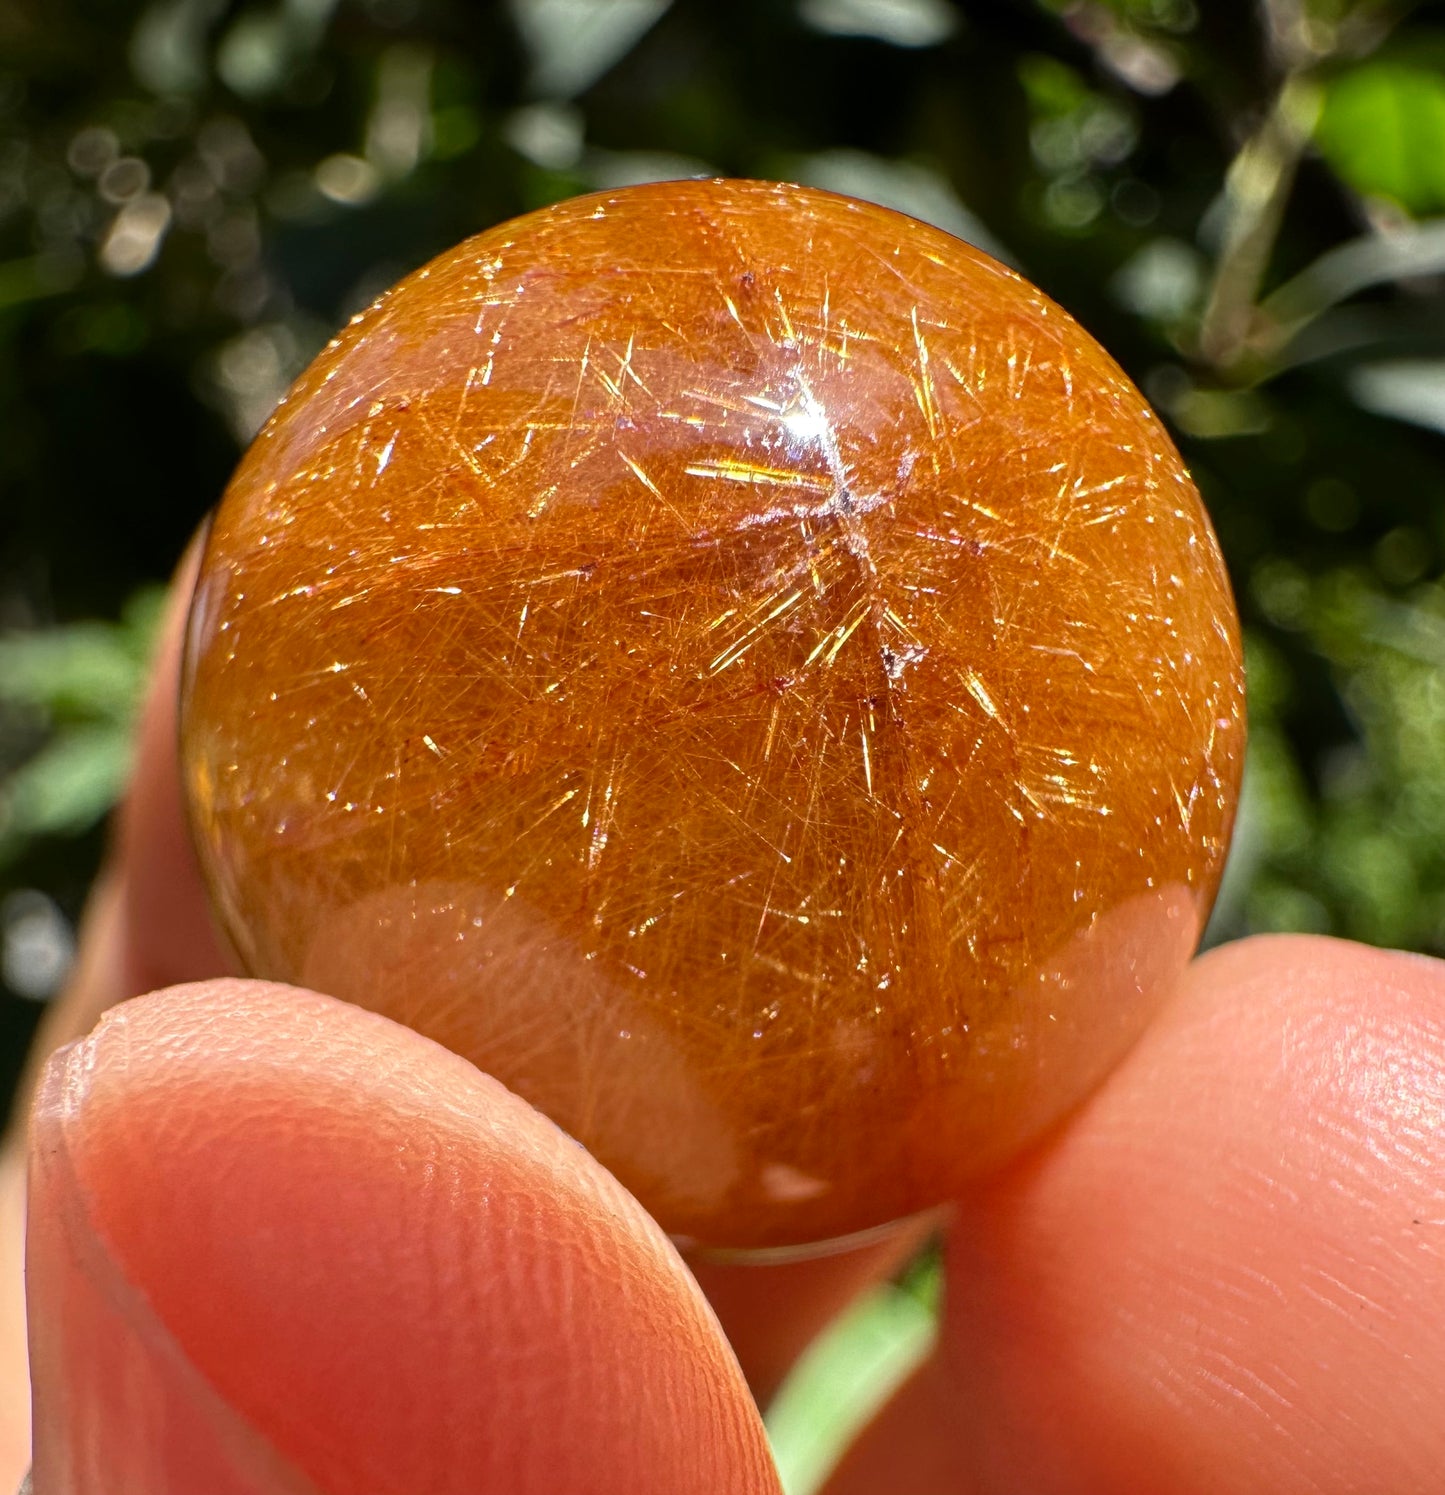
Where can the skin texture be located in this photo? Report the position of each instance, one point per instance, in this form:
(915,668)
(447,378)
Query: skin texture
(1222,1274)
(367,1156)
(1227,1273)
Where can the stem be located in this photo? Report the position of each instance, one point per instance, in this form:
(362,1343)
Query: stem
(1256,189)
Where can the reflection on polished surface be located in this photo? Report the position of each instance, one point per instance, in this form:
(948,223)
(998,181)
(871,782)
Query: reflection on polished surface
(742,667)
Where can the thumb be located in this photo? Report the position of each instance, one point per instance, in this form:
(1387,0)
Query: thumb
(278,1244)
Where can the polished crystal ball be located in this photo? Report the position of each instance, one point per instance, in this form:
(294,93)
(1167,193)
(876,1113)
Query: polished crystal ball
(742,667)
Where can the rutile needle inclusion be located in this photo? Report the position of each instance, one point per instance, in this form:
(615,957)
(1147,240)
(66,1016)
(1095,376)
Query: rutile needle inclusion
(742,667)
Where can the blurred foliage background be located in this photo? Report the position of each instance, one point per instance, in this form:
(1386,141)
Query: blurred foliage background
(1245,202)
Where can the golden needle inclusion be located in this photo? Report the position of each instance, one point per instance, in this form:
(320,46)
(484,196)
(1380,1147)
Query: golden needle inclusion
(743,668)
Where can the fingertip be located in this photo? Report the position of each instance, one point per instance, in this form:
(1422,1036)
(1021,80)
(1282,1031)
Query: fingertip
(117,1406)
(393,1271)
(1219,1277)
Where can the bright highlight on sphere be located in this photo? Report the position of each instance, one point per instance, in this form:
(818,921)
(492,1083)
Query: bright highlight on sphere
(740,666)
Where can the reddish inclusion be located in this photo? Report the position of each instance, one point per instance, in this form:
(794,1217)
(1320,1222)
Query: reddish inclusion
(743,668)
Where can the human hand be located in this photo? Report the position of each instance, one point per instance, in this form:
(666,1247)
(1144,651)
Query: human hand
(278,1244)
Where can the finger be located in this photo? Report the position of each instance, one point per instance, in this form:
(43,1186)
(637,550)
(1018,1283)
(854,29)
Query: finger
(166,935)
(1226,1274)
(94,983)
(147,924)
(171,937)
(280,1244)
(162,934)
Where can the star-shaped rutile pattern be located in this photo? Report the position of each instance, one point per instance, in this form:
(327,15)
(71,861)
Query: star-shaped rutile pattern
(744,668)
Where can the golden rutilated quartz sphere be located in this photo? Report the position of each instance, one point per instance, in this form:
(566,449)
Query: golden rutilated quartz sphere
(743,668)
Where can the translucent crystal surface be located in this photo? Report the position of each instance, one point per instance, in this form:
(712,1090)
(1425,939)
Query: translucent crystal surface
(744,668)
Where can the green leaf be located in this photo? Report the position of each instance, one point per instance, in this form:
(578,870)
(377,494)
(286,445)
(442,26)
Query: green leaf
(1053,87)
(68,785)
(93,671)
(904,23)
(83,670)
(846,1376)
(574,42)
(1382,128)
(87,679)
(1411,390)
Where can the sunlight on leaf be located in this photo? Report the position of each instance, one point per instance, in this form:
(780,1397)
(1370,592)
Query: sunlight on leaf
(1411,390)
(573,42)
(1163,281)
(1383,129)
(904,23)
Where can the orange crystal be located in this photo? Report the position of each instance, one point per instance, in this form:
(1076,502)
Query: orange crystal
(743,668)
